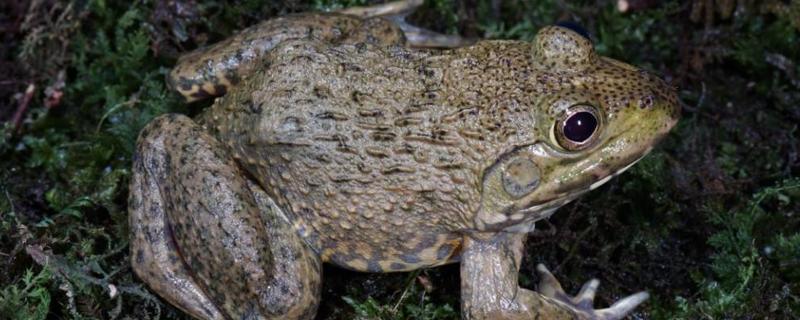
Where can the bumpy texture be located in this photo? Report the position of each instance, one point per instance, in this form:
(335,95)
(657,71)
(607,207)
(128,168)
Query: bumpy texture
(379,153)
(201,228)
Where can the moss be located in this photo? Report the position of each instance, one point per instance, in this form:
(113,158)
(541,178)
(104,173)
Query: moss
(413,302)
(27,299)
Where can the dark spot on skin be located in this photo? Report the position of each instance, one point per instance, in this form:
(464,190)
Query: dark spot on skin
(367,112)
(409,258)
(426,242)
(341,258)
(426,72)
(383,136)
(183,83)
(332,115)
(356,96)
(232,77)
(322,92)
(397,169)
(253,107)
(150,236)
(444,251)
(373,266)
(220,89)
(350,67)
(200,94)
(284,289)
(406,121)
(397,266)
(139,256)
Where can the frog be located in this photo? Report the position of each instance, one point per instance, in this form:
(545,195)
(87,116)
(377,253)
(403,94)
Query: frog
(355,139)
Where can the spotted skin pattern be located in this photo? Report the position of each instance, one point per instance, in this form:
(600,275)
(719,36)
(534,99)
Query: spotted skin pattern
(336,143)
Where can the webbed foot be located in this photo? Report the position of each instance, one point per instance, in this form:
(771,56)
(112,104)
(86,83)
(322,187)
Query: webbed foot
(582,303)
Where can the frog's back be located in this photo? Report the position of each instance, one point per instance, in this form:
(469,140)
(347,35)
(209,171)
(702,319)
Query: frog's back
(369,149)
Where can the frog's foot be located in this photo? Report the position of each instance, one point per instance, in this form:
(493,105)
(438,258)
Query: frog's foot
(397,11)
(207,239)
(582,303)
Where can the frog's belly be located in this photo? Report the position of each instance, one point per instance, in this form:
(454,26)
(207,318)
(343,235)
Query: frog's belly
(368,251)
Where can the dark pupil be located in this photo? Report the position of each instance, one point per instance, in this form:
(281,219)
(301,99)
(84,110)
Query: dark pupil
(580,126)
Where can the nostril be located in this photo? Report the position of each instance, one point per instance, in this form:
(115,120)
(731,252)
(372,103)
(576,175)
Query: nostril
(646,102)
(574,26)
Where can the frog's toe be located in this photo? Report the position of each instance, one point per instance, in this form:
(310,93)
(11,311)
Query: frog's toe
(582,303)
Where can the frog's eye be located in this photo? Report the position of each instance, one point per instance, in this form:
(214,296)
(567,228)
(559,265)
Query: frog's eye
(577,128)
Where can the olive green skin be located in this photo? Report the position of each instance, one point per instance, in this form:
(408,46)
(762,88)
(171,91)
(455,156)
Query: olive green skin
(374,157)
(384,156)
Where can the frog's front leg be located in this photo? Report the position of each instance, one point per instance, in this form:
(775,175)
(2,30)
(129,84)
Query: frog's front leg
(207,239)
(489,289)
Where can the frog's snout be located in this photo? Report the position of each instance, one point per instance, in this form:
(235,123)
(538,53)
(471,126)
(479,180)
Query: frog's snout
(666,102)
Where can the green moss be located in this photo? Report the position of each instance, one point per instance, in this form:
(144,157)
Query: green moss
(526,18)
(740,271)
(29,299)
(331,5)
(412,303)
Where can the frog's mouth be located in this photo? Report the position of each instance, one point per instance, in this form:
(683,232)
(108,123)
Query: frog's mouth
(520,216)
(561,178)
(559,199)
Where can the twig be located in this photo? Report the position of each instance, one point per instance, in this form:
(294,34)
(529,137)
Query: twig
(60,267)
(405,292)
(784,64)
(133,100)
(22,107)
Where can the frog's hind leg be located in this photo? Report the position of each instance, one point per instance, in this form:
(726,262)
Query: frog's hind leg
(211,71)
(396,12)
(208,240)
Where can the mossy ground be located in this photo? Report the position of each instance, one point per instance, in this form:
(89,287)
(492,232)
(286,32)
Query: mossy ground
(709,223)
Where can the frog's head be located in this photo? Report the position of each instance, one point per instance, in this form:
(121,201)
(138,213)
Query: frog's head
(595,118)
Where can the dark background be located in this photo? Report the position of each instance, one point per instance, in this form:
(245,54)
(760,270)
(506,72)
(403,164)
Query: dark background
(708,223)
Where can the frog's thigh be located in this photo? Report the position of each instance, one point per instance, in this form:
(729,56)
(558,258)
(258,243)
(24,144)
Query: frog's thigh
(206,239)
